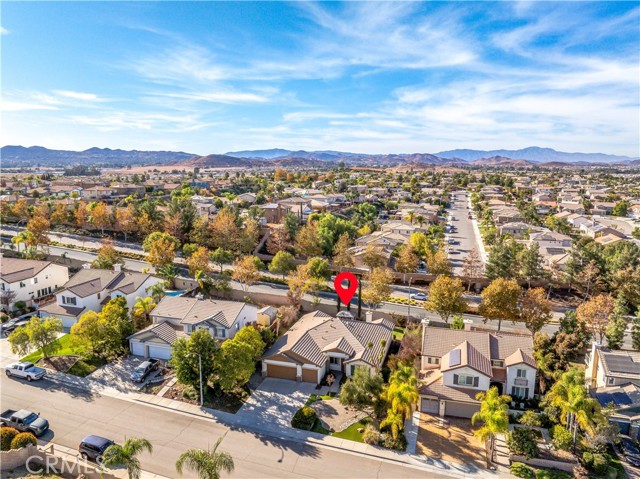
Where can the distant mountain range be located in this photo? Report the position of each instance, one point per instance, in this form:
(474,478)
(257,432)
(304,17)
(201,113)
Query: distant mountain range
(13,156)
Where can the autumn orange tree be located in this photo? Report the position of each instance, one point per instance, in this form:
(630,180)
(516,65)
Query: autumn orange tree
(308,241)
(81,214)
(446,297)
(246,271)
(500,300)
(161,252)
(595,314)
(224,231)
(126,220)
(101,216)
(199,261)
(535,309)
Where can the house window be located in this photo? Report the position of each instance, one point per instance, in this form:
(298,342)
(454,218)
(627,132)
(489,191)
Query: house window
(521,393)
(463,380)
(223,333)
(35,280)
(521,373)
(333,360)
(610,381)
(353,370)
(431,360)
(498,363)
(99,294)
(22,285)
(68,300)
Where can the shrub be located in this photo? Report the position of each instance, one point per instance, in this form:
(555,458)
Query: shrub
(519,469)
(580,472)
(530,418)
(22,440)
(20,305)
(522,441)
(600,464)
(561,438)
(304,418)
(6,436)
(371,435)
(552,474)
(399,444)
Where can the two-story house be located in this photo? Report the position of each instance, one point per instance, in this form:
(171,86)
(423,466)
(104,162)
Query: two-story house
(28,280)
(319,343)
(176,316)
(90,289)
(458,364)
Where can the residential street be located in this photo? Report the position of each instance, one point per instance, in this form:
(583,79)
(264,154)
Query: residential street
(465,235)
(75,413)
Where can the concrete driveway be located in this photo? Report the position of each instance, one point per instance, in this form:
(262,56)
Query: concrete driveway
(115,375)
(6,356)
(274,402)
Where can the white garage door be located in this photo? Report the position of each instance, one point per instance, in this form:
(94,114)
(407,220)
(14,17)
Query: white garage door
(137,348)
(159,352)
(431,406)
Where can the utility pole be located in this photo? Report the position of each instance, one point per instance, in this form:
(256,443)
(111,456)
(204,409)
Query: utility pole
(201,386)
(359,296)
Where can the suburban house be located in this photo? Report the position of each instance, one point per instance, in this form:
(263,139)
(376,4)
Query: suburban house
(614,379)
(458,364)
(28,280)
(319,343)
(177,316)
(90,289)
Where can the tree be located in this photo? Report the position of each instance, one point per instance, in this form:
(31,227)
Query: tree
(101,216)
(246,271)
(36,334)
(446,297)
(494,416)
(500,301)
(617,326)
(251,336)
(116,325)
(220,257)
(141,311)
(503,259)
(126,455)
(621,208)
(373,257)
(81,215)
(319,268)
(362,390)
(250,236)
(38,227)
(282,263)
(278,240)
(199,261)
(126,220)
(224,230)
(535,309)
(472,267)
(108,256)
(591,278)
(235,365)
(402,392)
(89,330)
(291,223)
(635,333)
(298,284)
(158,235)
(407,260)
(530,263)
(161,253)
(60,215)
(595,314)
(157,292)
(438,263)
(342,258)
(187,355)
(377,287)
(308,241)
(205,464)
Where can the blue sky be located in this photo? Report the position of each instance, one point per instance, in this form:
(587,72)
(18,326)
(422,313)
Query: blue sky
(210,77)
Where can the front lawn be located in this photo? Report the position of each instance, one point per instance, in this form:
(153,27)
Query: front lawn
(351,432)
(83,367)
(68,347)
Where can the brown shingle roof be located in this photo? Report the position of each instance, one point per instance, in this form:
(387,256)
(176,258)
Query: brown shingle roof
(13,270)
(469,356)
(91,281)
(194,311)
(519,357)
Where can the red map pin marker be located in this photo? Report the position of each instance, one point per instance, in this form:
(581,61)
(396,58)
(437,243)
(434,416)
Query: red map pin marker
(345,294)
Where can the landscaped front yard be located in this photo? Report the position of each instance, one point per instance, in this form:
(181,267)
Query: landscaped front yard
(71,357)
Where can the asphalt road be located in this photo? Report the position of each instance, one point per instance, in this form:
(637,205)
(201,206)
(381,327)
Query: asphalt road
(465,236)
(75,413)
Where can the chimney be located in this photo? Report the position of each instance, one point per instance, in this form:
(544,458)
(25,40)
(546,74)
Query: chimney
(368,317)
(117,267)
(591,373)
(86,266)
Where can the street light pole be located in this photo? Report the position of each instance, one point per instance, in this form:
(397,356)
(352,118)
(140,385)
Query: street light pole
(409,302)
(201,386)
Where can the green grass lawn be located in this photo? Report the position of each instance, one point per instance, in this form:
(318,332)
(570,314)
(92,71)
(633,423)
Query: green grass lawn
(67,348)
(84,367)
(351,432)
(319,428)
(398,333)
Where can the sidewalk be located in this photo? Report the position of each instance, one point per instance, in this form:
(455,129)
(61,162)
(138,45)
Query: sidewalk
(479,241)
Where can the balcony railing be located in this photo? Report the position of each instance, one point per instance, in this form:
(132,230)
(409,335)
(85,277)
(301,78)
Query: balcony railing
(521,382)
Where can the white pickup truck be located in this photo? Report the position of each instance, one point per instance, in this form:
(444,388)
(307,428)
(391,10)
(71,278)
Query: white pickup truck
(28,371)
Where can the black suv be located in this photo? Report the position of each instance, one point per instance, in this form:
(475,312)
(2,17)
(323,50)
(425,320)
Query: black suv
(93,447)
(145,368)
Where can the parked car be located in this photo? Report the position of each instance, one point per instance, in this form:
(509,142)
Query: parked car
(418,296)
(28,371)
(93,447)
(631,451)
(452,241)
(142,371)
(25,421)
(14,323)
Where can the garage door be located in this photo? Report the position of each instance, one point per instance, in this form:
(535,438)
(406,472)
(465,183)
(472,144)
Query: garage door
(310,376)
(282,372)
(159,352)
(137,348)
(459,409)
(430,406)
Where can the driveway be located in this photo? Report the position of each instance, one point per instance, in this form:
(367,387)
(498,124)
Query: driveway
(274,402)
(115,375)
(6,356)
(452,442)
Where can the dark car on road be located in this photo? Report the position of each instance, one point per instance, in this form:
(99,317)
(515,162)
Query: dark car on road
(12,324)
(145,368)
(631,451)
(93,447)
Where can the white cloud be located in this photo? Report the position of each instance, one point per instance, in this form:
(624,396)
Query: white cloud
(9,105)
(76,95)
(4,31)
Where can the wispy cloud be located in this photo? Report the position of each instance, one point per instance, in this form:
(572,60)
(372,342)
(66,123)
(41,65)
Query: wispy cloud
(4,31)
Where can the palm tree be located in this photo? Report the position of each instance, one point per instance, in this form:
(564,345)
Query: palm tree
(141,311)
(126,455)
(206,464)
(395,421)
(402,392)
(167,272)
(570,396)
(156,291)
(495,418)
(411,216)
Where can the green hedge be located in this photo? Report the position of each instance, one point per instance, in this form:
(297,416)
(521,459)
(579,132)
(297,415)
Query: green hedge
(304,418)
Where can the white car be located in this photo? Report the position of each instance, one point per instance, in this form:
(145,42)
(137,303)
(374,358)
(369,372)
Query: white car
(418,296)
(28,371)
